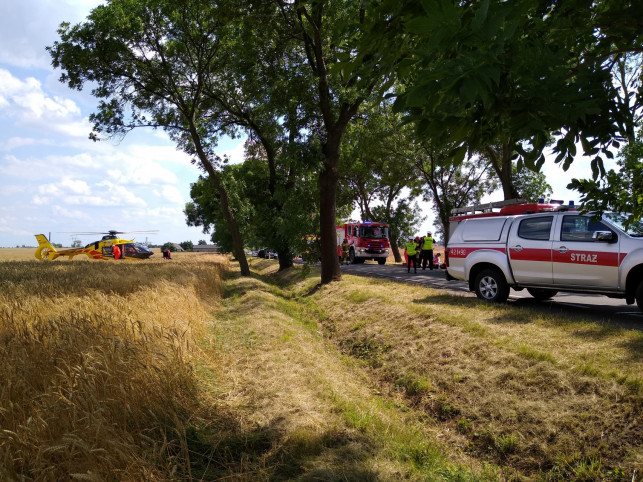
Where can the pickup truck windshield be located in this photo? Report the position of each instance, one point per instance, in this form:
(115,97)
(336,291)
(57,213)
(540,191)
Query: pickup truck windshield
(373,232)
(619,220)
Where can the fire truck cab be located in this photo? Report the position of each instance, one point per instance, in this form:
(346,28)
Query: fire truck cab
(366,240)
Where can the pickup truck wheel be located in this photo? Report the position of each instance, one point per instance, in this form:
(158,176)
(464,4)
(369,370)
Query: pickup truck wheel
(381,260)
(492,286)
(639,296)
(542,294)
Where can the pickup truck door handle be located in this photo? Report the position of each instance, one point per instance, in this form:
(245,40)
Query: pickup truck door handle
(517,248)
(562,249)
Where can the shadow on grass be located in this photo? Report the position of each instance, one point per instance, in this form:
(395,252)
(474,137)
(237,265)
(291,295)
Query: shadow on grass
(222,451)
(446,299)
(525,311)
(289,278)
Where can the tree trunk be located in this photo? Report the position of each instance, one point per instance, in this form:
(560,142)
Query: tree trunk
(396,250)
(500,157)
(285,260)
(237,242)
(328,178)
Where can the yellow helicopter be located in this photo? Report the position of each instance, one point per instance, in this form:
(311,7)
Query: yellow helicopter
(102,249)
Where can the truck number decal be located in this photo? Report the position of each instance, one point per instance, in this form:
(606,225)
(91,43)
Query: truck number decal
(464,252)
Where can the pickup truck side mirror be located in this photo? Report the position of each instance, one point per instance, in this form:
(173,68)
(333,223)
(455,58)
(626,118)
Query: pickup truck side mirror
(606,236)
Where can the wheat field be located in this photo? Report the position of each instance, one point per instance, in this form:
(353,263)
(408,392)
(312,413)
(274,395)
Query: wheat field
(97,356)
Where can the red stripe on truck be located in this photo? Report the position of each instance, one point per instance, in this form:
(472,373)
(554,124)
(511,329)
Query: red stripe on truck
(530,254)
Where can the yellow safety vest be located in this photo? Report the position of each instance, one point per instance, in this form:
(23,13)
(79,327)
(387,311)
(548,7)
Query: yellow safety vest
(410,249)
(428,243)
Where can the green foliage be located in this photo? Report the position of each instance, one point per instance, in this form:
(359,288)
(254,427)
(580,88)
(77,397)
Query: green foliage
(169,245)
(379,165)
(619,190)
(451,183)
(530,185)
(205,208)
(518,74)
(187,245)
(483,68)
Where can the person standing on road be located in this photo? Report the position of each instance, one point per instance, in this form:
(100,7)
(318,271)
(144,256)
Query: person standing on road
(427,251)
(345,251)
(411,255)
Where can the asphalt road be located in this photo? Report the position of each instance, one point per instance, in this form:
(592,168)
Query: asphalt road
(595,307)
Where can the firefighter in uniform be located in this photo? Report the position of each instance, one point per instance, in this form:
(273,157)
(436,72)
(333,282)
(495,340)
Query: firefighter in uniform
(427,251)
(345,252)
(411,254)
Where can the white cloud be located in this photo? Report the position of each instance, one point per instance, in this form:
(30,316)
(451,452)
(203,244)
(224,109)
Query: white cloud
(75,186)
(16,142)
(125,169)
(8,191)
(78,193)
(28,26)
(236,154)
(74,214)
(117,195)
(26,102)
(172,194)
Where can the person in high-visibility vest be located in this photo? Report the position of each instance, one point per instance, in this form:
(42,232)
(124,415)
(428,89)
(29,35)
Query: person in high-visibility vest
(427,251)
(411,255)
(117,251)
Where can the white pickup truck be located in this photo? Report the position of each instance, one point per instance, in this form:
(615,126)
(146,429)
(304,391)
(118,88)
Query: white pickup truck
(547,252)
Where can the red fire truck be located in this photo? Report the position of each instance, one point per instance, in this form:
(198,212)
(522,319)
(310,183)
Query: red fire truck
(367,240)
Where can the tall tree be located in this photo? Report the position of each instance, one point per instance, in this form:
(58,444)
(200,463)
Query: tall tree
(150,61)
(378,160)
(497,73)
(329,33)
(205,210)
(452,183)
(619,190)
(530,185)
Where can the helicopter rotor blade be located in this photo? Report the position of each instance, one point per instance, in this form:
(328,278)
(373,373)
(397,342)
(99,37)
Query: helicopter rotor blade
(108,232)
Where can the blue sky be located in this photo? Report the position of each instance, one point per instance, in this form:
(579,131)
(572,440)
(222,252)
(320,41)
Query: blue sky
(53,179)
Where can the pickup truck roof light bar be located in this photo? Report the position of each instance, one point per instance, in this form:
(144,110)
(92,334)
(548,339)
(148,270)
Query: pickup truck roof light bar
(508,208)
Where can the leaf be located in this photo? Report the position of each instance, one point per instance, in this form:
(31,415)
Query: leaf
(469,89)
(480,16)
(419,26)
(596,162)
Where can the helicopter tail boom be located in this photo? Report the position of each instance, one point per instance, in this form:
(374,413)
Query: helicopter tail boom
(45,250)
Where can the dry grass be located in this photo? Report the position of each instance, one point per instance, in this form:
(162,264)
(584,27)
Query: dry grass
(540,396)
(97,356)
(303,410)
(522,394)
(118,371)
